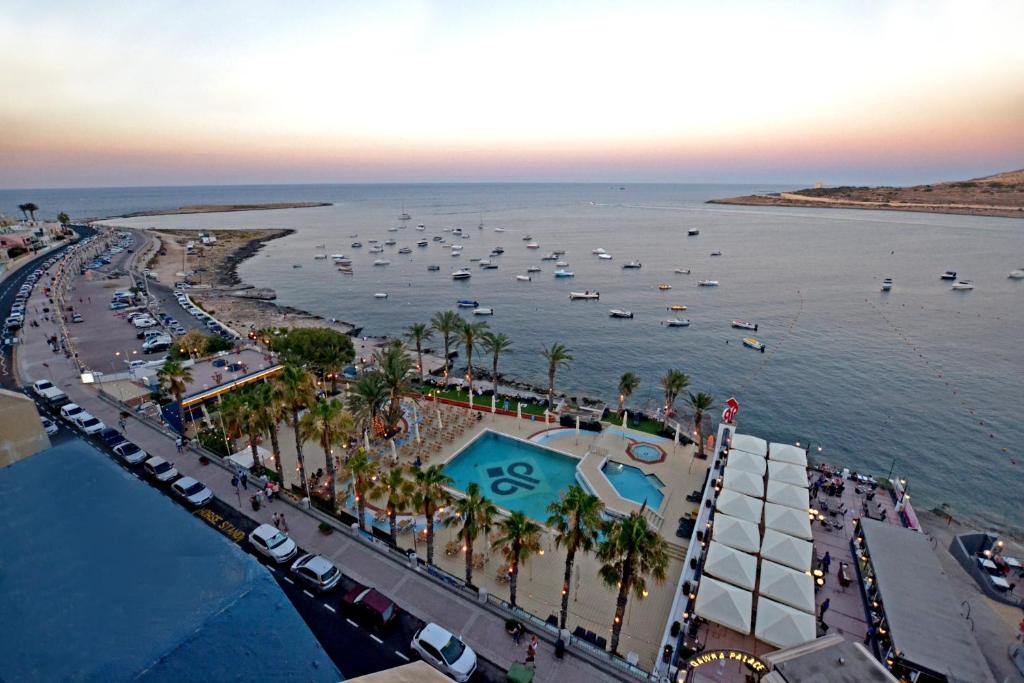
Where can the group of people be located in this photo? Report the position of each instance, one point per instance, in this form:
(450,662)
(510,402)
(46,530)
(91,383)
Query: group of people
(531,648)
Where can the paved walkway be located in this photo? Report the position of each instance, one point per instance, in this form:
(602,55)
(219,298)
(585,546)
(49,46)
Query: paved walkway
(421,596)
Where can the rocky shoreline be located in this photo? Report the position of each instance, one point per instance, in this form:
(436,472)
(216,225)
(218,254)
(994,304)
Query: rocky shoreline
(224,208)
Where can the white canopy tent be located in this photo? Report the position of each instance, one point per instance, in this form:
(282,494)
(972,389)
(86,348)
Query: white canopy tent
(743,482)
(785,549)
(783,626)
(724,604)
(784,452)
(788,495)
(736,533)
(749,444)
(787,473)
(788,520)
(243,458)
(787,586)
(730,565)
(747,462)
(740,505)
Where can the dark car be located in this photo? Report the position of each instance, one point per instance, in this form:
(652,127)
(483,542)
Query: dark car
(111,437)
(370,604)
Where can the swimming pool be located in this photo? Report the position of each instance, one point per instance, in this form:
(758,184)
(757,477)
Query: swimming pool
(632,484)
(514,474)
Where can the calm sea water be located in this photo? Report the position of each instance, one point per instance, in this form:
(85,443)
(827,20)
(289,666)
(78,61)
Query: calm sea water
(923,377)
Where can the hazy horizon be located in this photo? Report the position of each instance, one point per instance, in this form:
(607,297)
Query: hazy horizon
(418,91)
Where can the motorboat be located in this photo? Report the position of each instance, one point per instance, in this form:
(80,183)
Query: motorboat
(559,252)
(377,249)
(744,325)
(357,245)
(549,257)
(373,241)
(405,250)
(489,266)
(524,278)
(448,229)
(390,242)
(1016,274)
(494,253)
(963,285)
(752,343)
(527,238)
(664,286)
(382,262)
(392,229)
(598,251)
(632,264)
(475,259)
(533,269)
(484,262)
(498,250)
(619,313)
(320,257)
(585,296)
(533,245)
(380,295)
(499,230)
(948,275)
(296,265)
(467,303)
(483,311)
(438,238)
(716,253)
(404,216)
(433,268)
(707,283)
(677,307)
(343,261)
(887,284)
(461,274)
(564,273)
(422,243)
(345,270)
(682,271)
(605,257)
(693,232)
(421,227)
(456,253)
(561,264)
(677,322)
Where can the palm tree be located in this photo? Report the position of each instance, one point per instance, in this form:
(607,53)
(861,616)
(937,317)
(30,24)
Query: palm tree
(558,357)
(429,493)
(446,323)
(478,515)
(367,398)
(674,382)
(394,367)
(701,403)
(241,412)
(519,539)
(24,210)
(416,335)
(627,385)
(576,519)
(470,335)
(495,344)
(363,471)
(174,378)
(328,423)
(630,551)
(32,208)
(296,390)
(273,411)
(63,219)
(396,489)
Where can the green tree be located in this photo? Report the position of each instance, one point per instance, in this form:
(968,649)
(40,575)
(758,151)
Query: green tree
(363,471)
(630,552)
(519,540)
(446,323)
(673,383)
(477,514)
(297,391)
(241,413)
(397,491)
(557,357)
(470,334)
(30,209)
(174,378)
(627,385)
(429,493)
(416,334)
(367,398)
(394,367)
(701,403)
(63,219)
(323,351)
(495,344)
(328,423)
(271,409)
(576,520)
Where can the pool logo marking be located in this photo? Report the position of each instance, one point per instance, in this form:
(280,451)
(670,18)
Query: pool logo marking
(518,477)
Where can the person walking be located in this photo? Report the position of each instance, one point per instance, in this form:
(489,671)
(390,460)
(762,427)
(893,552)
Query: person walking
(275,520)
(531,650)
(282,522)
(177,444)
(826,562)
(824,608)
(243,479)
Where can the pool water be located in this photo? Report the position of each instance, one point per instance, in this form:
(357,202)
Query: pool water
(632,484)
(514,474)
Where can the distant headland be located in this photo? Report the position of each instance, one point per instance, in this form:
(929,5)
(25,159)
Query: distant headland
(220,208)
(996,195)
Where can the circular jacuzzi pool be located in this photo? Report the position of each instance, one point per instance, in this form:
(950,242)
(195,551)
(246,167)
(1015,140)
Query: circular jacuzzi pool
(645,452)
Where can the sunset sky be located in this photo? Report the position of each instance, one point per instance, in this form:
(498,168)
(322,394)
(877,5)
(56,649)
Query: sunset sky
(173,93)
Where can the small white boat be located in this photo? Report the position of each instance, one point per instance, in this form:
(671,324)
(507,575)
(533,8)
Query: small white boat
(664,286)
(483,311)
(1016,274)
(380,295)
(404,216)
(421,227)
(343,261)
(527,238)
(489,266)
(692,232)
(948,275)
(484,262)
(963,285)
(752,343)
(533,245)
(422,243)
(498,250)
(716,253)
(377,249)
(561,264)
(682,271)
(382,262)
(461,274)
(319,257)
(605,257)
(744,325)
(549,257)
(357,245)
(345,270)
(598,251)
(533,269)
(887,284)
(499,230)
(632,264)
(405,250)
(390,242)
(559,252)
(585,296)
(619,313)
(707,283)
(392,229)
(564,273)
(524,278)
(456,253)
(677,322)
(467,303)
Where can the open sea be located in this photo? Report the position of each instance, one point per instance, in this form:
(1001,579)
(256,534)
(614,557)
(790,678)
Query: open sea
(922,380)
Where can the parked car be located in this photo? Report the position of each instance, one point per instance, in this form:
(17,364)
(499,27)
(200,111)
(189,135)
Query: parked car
(111,437)
(76,318)
(445,652)
(372,605)
(160,469)
(118,305)
(71,410)
(271,542)
(317,571)
(50,426)
(194,492)
(130,453)
(88,424)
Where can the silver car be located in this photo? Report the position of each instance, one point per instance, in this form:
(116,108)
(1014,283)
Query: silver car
(271,542)
(192,491)
(130,453)
(317,571)
(160,469)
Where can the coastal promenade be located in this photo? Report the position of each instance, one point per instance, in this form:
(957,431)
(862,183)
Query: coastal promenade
(424,597)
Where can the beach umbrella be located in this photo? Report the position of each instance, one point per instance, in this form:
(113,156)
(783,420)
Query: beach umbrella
(677,434)
(394,450)
(494,402)
(625,418)
(577,425)
(440,424)
(366,440)
(519,411)
(545,416)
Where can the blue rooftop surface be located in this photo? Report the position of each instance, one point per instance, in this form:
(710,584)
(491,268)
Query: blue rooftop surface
(103,578)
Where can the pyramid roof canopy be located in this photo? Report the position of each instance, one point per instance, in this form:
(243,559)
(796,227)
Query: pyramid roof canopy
(784,452)
(783,626)
(743,482)
(788,495)
(736,533)
(750,444)
(787,473)
(788,520)
(740,505)
(731,565)
(724,604)
(747,462)
(785,549)
(786,585)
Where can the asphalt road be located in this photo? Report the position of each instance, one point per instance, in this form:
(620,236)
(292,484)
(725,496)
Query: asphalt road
(355,647)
